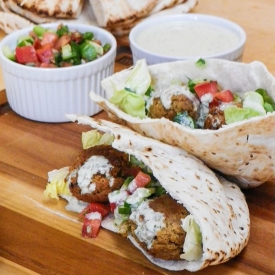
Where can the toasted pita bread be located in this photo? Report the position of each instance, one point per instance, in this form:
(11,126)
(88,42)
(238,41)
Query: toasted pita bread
(45,11)
(10,22)
(110,13)
(124,29)
(244,150)
(163,4)
(218,206)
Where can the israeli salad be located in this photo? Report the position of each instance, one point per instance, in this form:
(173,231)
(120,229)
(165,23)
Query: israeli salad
(49,48)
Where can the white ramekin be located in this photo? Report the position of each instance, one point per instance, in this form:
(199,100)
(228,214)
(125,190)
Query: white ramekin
(47,95)
(234,54)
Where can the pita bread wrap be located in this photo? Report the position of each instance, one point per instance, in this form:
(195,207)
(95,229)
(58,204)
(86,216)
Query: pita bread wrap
(242,150)
(218,206)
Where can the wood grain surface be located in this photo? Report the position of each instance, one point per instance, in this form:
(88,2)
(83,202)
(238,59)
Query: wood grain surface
(38,236)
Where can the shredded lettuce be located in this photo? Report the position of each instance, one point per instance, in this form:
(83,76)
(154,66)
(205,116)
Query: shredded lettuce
(137,86)
(131,103)
(56,183)
(234,114)
(93,138)
(139,80)
(192,246)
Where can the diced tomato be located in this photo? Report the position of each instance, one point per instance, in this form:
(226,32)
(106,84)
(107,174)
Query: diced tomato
(76,37)
(90,228)
(97,41)
(225,96)
(36,43)
(45,53)
(62,41)
(113,207)
(47,65)
(142,179)
(207,87)
(49,38)
(66,64)
(214,103)
(103,209)
(26,54)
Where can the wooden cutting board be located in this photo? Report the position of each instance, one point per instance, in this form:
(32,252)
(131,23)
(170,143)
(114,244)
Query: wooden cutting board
(41,237)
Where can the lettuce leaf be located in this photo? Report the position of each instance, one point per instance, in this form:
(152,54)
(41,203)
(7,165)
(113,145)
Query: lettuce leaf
(93,138)
(192,246)
(56,184)
(234,114)
(131,103)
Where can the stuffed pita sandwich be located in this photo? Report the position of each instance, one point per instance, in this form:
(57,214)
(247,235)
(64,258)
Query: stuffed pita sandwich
(220,111)
(169,204)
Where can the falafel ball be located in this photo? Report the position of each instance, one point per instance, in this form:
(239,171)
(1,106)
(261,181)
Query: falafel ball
(176,99)
(168,239)
(96,172)
(215,119)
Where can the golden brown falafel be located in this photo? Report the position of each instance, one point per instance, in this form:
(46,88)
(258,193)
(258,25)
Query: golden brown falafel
(102,184)
(179,103)
(215,119)
(169,240)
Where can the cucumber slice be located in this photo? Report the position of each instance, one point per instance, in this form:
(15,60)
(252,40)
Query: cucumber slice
(8,53)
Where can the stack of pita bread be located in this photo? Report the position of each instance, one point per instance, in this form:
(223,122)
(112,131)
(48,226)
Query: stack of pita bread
(118,16)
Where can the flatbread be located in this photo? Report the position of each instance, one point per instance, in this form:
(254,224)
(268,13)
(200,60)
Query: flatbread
(243,150)
(111,13)
(124,29)
(131,11)
(10,22)
(45,11)
(219,207)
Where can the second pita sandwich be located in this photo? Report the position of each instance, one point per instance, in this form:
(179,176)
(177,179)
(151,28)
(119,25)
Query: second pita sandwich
(171,206)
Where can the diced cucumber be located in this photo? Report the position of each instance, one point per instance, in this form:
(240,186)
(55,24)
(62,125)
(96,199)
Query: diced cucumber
(98,48)
(66,52)
(39,30)
(8,53)
(24,41)
(184,119)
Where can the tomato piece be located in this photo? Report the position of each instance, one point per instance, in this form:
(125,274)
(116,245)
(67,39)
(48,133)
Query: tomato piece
(37,43)
(45,53)
(62,41)
(207,87)
(26,54)
(142,179)
(225,96)
(113,206)
(49,38)
(90,228)
(103,209)
(47,65)
(76,37)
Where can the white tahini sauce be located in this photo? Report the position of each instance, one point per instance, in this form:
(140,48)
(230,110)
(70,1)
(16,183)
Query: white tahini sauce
(147,227)
(187,39)
(166,96)
(94,165)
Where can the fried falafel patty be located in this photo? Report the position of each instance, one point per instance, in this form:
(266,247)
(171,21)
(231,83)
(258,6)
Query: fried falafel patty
(169,103)
(97,171)
(215,119)
(156,226)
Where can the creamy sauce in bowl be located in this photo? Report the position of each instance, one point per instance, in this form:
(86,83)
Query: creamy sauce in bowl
(187,39)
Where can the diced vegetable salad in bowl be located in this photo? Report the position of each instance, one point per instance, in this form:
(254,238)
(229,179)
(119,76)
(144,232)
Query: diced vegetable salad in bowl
(49,69)
(51,48)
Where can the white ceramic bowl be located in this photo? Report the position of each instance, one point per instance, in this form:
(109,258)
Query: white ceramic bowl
(139,52)
(47,95)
